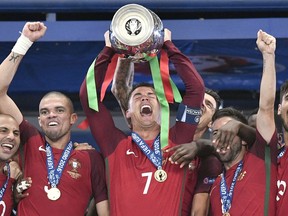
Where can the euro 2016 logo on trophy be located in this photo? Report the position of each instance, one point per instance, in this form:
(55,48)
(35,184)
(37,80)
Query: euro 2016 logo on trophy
(135,30)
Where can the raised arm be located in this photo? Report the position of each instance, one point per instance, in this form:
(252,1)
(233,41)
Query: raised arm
(31,32)
(101,122)
(265,117)
(194,90)
(123,83)
(194,85)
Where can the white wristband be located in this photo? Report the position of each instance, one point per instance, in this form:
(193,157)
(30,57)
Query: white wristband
(22,45)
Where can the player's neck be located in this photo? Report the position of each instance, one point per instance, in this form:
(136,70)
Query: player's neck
(58,144)
(147,133)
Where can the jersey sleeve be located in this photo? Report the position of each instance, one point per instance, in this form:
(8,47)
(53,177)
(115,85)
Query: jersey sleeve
(210,168)
(98,179)
(101,123)
(258,148)
(27,130)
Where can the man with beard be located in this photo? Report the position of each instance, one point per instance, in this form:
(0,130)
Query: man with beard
(63,179)
(245,187)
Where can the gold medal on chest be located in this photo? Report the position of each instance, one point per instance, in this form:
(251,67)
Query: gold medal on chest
(160,175)
(52,193)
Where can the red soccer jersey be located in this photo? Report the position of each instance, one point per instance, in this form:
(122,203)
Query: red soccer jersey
(249,192)
(191,180)
(282,196)
(82,177)
(130,174)
(6,204)
(133,188)
(200,179)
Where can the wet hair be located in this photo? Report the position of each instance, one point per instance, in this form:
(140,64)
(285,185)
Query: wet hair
(283,90)
(215,95)
(60,94)
(230,112)
(142,84)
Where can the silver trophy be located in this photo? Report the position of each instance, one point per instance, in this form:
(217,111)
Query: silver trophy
(136,30)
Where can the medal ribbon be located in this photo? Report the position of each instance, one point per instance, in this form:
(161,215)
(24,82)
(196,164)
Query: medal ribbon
(3,189)
(54,175)
(154,156)
(226,197)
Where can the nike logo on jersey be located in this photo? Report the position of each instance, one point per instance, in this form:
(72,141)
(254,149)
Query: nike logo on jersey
(129,152)
(41,148)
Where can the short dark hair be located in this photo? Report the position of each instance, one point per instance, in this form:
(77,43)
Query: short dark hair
(283,90)
(215,95)
(60,94)
(142,84)
(230,112)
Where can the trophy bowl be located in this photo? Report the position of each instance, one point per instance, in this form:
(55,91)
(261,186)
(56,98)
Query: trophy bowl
(135,30)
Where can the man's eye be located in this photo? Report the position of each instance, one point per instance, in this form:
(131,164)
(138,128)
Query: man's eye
(137,97)
(43,112)
(210,106)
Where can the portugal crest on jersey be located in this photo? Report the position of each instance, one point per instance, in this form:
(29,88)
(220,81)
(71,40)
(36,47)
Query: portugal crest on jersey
(75,165)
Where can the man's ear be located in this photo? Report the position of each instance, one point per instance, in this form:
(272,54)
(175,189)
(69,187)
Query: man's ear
(209,124)
(73,118)
(128,114)
(279,109)
(243,143)
(39,122)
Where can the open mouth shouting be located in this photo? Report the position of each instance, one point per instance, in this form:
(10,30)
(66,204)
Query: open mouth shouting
(146,110)
(7,146)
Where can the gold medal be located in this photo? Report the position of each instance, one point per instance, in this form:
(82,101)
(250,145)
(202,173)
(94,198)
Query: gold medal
(160,175)
(52,193)
(226,214)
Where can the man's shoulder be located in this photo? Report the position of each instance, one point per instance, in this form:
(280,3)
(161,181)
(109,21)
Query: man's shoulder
(88,153)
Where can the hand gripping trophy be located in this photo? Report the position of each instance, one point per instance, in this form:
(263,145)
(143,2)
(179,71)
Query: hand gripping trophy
(135,31)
